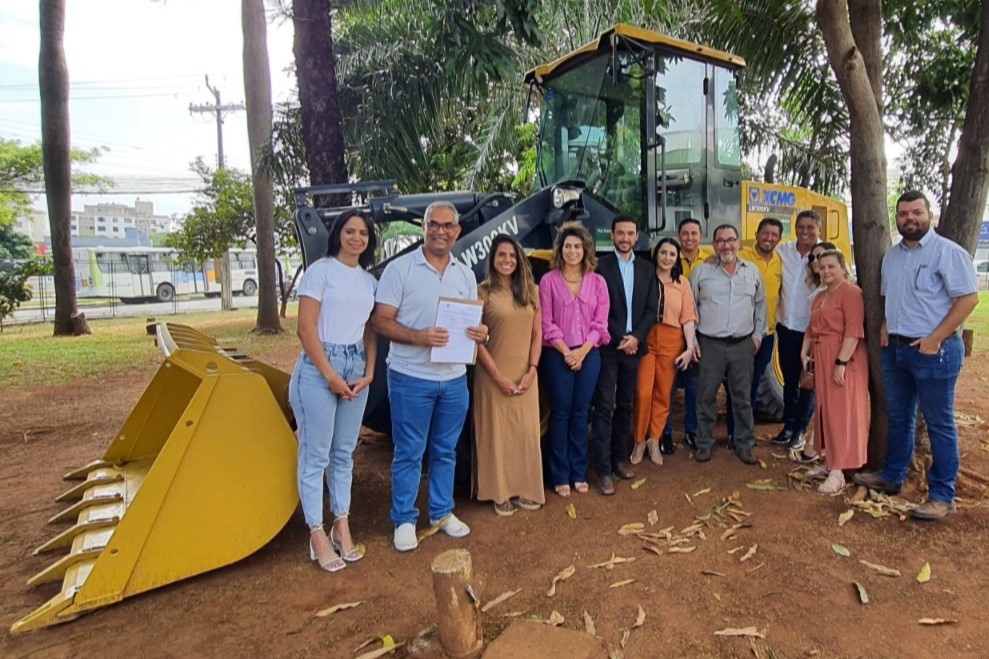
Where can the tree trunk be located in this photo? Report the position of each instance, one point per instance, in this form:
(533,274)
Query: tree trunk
(222,267)
(315,67)
(257,89)
(866,21)
(868,183)
(53,76)
(962,218)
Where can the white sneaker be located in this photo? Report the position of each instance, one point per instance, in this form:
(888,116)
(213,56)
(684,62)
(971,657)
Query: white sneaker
(452,526)
(405,537)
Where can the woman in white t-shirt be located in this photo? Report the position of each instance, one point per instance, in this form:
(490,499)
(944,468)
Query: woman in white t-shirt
(329,385)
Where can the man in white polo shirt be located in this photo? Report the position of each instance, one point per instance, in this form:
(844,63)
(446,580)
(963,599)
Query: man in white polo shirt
(428,400)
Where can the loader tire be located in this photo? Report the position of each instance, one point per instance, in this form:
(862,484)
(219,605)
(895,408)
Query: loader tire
(769,400)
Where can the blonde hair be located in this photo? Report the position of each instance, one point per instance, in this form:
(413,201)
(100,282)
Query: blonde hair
(577,230)
(841,260)
(812,278)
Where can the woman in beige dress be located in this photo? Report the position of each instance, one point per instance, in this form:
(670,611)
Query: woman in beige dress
(508,466)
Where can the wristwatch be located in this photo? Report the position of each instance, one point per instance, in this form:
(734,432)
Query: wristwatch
(841,362)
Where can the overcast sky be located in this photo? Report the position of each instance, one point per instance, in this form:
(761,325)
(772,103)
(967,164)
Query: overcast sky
(134,68)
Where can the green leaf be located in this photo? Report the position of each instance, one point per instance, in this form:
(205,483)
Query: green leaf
(840,550)
(863,595)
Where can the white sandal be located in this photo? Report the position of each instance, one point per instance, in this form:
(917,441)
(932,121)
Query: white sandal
(834,483)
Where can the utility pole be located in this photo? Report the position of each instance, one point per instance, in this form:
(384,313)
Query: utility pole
(219,108)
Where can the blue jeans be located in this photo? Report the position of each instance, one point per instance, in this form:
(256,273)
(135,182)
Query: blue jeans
(911,378)
(424,413)
(328,429)
(798,404)
(570,393)
(688,380)
(761,361)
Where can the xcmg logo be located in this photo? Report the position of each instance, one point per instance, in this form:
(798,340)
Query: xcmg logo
(772,197)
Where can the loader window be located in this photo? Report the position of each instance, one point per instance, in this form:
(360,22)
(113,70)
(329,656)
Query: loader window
(728,151)
(680,111)
(592,131)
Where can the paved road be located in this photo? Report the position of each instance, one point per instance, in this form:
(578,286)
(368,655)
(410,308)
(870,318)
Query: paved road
(118,309)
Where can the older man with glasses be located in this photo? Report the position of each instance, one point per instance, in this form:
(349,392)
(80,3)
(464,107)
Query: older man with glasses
(731,310)
(428,400)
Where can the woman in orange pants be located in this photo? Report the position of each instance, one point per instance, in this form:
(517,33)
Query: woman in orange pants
(671,346)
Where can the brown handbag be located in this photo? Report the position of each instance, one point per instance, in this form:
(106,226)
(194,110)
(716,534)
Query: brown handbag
(807,379)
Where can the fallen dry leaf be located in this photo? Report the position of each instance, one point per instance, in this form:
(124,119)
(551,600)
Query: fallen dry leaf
(845,516)
(589,624)
(611,562)
(632,529)
(425,533)
(731,531)
(637,484)
(687,497)
(756,568)
(765,487)
(749,554)
(700,492)
(863,595)
(938,621)
(640,619)
(555,619)
(750,632)
(840,550)
(712,573)
(654,549)
(571,510)
(860,494)
(881,569)
(619,584)
(925,574)
(762,464)
(562,576)
(735,550)
(681,550)
(337,607)
(625,635)
(652,518)
(498,600)
(380,652)
(513,614)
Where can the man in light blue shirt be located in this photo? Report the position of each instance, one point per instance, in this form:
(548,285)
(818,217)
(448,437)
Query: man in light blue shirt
(428,400)
(929,289)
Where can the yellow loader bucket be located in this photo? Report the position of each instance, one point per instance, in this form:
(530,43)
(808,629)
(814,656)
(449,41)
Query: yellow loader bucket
(201,475)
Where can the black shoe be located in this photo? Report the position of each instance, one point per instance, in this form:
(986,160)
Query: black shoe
(796,442)
(690,439)
(731,442)
(745,455)
(874,482)
(702,455)
(667,447)
(783,439)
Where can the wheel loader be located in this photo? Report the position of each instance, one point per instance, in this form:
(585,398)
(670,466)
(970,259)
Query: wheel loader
(633,122)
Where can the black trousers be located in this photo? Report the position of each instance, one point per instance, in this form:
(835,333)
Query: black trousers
(798,404)
(611,424)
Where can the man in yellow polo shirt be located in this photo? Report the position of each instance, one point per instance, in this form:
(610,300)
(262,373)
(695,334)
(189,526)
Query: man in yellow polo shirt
(692,254)
(763,255)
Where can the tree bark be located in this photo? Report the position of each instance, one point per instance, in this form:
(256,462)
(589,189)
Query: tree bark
(53,74)
(868,183)
(459,622)
(962,218)
(315,67)
(866,21)
(257,89)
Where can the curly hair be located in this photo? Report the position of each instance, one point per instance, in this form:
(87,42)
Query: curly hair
(577,230)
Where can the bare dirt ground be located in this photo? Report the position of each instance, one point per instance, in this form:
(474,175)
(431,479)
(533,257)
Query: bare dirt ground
(795,588)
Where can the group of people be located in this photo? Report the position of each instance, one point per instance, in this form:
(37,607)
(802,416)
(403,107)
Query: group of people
(610,340)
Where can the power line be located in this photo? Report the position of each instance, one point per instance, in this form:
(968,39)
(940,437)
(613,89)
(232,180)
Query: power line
(97,98)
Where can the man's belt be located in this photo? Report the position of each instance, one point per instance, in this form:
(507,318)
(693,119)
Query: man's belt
(905,340)
(730,340)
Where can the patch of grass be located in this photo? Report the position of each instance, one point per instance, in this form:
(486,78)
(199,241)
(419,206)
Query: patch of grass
(30,355)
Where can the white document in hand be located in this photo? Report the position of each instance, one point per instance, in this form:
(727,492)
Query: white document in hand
(455,316)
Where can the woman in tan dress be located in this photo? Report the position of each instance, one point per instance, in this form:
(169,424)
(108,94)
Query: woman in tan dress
(834,350)
(508,467)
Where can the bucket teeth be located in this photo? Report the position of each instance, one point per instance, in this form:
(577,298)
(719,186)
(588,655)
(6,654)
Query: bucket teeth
(73,511)
(76,492)
(83,472)
(56,571)
(64,539)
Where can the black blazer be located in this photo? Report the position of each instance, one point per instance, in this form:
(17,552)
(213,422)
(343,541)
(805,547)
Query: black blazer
(645,298)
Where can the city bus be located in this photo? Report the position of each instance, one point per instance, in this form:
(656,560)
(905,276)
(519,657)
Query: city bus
(146,274)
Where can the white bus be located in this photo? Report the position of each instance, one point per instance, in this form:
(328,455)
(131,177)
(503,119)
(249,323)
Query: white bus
(144,274)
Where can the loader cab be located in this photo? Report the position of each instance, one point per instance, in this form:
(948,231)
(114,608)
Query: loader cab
(645,125)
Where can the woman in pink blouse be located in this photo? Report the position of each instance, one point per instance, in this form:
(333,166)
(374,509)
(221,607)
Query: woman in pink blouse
(574,302)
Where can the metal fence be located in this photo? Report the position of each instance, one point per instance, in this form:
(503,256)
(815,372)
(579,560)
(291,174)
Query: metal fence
(111,290)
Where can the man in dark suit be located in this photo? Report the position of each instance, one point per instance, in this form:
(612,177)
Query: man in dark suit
(633,292)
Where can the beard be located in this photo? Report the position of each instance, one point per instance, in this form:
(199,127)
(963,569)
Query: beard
(914,233)
(731,258)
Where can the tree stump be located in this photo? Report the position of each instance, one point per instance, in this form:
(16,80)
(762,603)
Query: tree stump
(457,615)
(79,324)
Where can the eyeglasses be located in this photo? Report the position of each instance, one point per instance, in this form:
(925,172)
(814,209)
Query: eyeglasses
(445,227)
(725,241)
(813,257)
